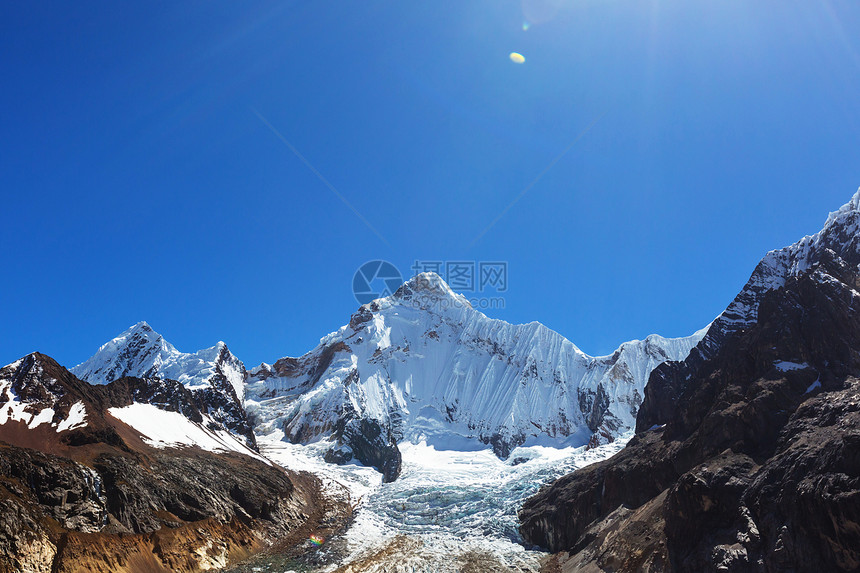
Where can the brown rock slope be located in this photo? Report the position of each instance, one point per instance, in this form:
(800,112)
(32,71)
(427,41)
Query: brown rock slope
(747,455)
(97,498)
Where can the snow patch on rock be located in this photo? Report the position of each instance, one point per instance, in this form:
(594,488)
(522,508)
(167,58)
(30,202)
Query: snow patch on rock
(77,418)
(164,429)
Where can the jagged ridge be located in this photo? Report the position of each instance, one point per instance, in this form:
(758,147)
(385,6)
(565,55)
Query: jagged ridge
(213,375)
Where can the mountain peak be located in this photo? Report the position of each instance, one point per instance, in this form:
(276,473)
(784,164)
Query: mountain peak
(428,281)
(141,328)
(429,286)
(35,380)
(34,360)
(855,201)
(852,206)
(137,333)
(835,246)
(839,237)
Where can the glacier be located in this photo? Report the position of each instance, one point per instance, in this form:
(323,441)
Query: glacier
(447,508)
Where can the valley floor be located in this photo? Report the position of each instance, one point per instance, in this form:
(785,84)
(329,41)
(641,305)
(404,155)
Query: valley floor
(449,510)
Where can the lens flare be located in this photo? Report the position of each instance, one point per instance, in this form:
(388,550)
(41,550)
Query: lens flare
(517,58)
(526,25)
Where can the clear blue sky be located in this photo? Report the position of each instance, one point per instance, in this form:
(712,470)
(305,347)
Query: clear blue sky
(138,183)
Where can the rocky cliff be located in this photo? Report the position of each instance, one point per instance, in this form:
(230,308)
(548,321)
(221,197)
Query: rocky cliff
(745,456)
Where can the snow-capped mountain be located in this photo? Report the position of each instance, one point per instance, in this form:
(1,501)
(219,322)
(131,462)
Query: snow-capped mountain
(422,364)
(214,376)
(829,256)
(143,353)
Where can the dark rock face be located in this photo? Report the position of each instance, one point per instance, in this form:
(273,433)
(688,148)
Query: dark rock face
(751,442)
(503,445)
(234,499)
(119,494)
(557,516)
(192,488)
(366,441)
(807,497)
(68,492)
(225,410)
(220,402)
(625,540)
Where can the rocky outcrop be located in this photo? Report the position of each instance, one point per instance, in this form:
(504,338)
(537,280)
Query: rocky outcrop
(369,443)
(750,442)
(624,540)
(82,491)
(235,502)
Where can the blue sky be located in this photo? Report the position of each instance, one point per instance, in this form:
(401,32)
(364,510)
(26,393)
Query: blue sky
(138,183)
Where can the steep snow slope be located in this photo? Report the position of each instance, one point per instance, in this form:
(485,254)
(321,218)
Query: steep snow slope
(422,364)
(165,429)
